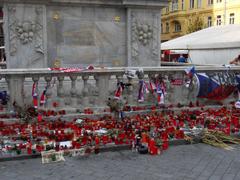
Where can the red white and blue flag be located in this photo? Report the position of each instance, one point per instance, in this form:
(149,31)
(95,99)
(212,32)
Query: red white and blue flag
(237,104)
(119,90)
(190,71)
(143,88)
(161,90)
(216,87)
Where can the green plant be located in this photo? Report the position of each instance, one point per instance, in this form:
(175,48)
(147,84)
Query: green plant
(195,23)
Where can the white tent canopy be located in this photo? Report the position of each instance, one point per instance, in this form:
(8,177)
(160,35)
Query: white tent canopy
(214,45)
(213,37)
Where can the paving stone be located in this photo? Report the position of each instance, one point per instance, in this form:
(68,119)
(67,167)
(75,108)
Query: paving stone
(214,177)
(190,162)
(228,177)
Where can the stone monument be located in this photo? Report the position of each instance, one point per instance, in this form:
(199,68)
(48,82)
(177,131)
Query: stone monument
(114,33)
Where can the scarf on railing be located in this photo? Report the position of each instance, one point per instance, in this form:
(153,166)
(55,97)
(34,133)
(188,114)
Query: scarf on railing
(237,104)
(143,88)
(119,90)
(161,91)
(152,86)
(43,97)
(35,94)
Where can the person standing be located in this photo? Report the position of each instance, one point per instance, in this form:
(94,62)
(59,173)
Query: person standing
(235,61)
(182,59)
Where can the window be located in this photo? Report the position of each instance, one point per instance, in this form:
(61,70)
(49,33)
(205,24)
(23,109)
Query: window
(167,27)
(174,5)
(219,1)
(167,9)
(161,28)
(210,2)
(182,4)
(199,3)
(219,20)
(177,27)
(191,4)
(209,21)
(231,18)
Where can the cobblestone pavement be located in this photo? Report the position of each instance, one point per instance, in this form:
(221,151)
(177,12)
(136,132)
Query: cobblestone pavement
(196,162)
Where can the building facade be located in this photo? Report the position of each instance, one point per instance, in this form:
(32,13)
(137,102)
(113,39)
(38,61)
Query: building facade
(184,16)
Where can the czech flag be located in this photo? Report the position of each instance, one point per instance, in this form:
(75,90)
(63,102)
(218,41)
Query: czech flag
(190,71)
(213,88)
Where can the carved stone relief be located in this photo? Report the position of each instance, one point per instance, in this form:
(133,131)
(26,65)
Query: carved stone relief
(39,31)
(25,31)
(155,42)
(134,39)
(144,37)
(12,30)
(144,33)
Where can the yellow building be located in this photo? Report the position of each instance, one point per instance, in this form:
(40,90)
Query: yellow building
(185,16)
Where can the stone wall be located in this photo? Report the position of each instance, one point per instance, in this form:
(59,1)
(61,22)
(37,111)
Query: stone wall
(68,33)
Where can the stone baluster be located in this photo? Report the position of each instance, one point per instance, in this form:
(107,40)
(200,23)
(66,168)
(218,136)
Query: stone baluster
(168,86)
(130,91)
(102,84)
(48,103)
(60,91)
(119,77)
(96,93)
(35,80)
(73,90)
(171,88)
(140,76)
(16,89)
(85,93)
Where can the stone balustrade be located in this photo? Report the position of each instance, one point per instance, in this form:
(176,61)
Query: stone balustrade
(92,88)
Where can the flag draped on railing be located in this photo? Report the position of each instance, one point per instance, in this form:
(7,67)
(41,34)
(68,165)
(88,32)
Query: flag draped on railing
(237,104)
(43,97)
(161,90)
(35,94)
(214,87)
(143,88)
(119,91)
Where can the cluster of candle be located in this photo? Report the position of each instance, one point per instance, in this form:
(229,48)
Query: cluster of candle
(154,129)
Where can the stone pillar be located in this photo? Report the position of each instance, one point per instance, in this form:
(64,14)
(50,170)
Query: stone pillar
(60,91)
(48,103)
(168,86)
(102,84)
(140,77)
(73,90)
(85,93)
(130,91)
(16,90)
(143,28)
(25,35)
